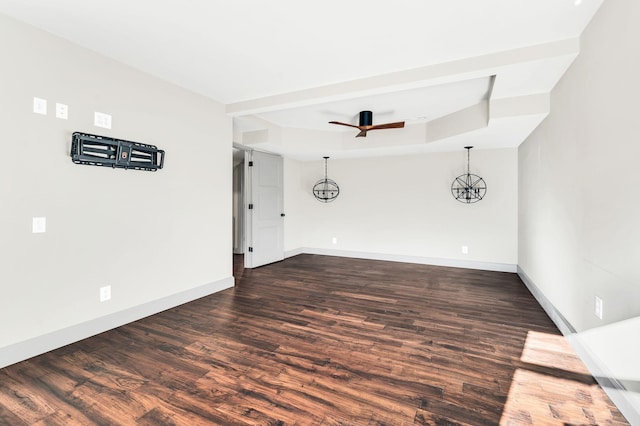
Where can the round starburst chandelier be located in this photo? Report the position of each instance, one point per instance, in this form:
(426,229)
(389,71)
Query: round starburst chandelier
(468,188)
(326,190)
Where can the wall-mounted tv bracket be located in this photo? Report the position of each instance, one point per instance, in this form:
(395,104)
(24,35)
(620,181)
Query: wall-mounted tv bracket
(104,151)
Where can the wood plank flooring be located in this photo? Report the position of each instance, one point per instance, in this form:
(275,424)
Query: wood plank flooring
(319,340)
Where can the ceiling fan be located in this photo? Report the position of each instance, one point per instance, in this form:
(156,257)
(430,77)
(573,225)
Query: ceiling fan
(366,124)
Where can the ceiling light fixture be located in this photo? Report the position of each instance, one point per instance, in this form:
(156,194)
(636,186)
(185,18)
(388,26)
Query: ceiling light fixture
(468,188)
(326,190)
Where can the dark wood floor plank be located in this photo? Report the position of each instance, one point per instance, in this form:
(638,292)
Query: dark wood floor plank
(29,404)
(318,340)
(7,416)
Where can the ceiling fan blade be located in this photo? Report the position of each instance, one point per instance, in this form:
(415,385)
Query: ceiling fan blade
(362,134)
(344,124)
(396,125)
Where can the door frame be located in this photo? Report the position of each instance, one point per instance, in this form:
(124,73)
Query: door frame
(247,198)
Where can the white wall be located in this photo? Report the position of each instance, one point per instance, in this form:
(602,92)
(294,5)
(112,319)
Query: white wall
(579,231)
(148,235)
(402,206)
(579,228)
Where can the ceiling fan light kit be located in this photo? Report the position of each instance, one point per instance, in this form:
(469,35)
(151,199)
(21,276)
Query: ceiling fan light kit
(365,124)
(326,190)
(468,188)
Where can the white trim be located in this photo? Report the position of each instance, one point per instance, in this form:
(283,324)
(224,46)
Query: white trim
(560,321)
(612,387)
(294,252)
(38,345)
(455,263)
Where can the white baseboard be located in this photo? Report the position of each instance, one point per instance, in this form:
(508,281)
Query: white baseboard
(612,387)
(455,263)
(560,321)
(294,252)
(48,342)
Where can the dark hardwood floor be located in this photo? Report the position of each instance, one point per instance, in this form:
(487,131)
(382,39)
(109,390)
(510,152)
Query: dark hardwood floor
(318,340)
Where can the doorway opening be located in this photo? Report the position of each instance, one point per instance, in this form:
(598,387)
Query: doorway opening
(258,216)
(239,230)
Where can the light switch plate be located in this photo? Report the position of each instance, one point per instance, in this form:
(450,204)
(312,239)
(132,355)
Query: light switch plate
(39,225)
(40,106)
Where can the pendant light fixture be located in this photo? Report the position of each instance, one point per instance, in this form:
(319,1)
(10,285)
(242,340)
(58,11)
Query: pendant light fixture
(326,190)
(468,188)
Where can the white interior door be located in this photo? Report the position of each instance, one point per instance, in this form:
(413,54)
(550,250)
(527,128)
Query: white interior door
(265,210)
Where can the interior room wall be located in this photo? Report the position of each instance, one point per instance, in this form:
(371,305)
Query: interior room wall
(579,231)
(578,209)
(149,235)
(401,208)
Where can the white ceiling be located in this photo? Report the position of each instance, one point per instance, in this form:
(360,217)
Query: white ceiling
(284,68)
(413,105)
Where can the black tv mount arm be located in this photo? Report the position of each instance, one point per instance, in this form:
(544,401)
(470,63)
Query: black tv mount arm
(104,151)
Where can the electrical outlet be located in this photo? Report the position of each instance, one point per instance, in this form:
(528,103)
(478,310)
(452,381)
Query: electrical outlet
(101,119)
(598,307)
(465,250)
(105,293)
(40,106)
(62,111)
(39,225)
(334,240)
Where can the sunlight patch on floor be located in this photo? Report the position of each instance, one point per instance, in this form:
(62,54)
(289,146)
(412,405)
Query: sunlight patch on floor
(540,398)
(551,350)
